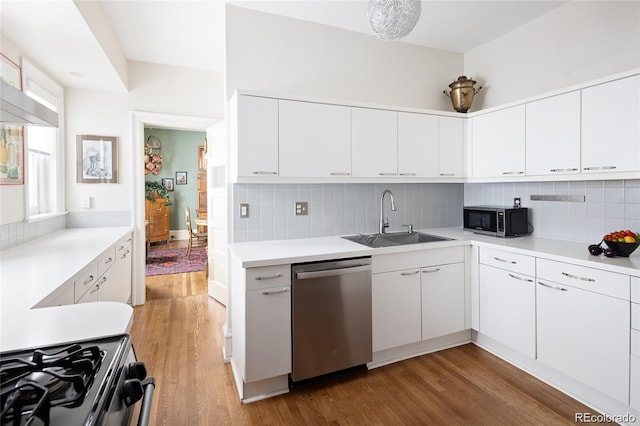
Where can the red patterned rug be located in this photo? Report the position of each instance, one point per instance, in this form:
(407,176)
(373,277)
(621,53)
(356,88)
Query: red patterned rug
(166,261)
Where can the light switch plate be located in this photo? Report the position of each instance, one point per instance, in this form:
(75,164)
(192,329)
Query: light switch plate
(244,210)
(86,202)
(302,208)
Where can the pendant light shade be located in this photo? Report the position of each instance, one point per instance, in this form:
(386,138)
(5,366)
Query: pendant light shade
(393,19)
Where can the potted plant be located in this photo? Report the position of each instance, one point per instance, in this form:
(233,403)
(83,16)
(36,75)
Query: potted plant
(152,190)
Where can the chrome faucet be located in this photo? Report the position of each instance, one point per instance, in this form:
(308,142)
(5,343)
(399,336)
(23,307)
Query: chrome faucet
(384,222)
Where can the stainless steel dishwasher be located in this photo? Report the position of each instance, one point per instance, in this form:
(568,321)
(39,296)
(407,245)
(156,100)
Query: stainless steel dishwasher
(331,316)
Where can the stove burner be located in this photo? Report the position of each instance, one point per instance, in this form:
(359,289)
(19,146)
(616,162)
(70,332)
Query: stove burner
(31,385)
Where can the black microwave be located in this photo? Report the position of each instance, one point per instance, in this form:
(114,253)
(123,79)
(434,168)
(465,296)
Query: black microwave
(497,221)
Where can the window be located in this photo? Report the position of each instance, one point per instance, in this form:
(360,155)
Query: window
(44,149)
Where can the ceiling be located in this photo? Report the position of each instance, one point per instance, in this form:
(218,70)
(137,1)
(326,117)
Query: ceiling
(55,34)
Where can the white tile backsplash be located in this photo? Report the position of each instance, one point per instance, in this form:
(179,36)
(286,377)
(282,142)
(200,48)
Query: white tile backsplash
(608,206)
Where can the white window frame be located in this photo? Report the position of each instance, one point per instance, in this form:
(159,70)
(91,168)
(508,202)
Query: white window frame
(37,84)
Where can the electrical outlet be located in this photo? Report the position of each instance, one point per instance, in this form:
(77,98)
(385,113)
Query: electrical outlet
(516,203)
(302,208)
(244,210)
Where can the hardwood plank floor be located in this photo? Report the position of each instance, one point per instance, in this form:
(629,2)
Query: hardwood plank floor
(178,335)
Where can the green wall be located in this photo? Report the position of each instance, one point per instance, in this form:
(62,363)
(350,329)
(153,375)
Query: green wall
(179,154)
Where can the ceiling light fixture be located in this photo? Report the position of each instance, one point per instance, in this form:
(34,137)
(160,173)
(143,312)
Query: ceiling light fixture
(393,19)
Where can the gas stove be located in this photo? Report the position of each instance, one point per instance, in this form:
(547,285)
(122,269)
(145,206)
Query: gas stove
(94,382)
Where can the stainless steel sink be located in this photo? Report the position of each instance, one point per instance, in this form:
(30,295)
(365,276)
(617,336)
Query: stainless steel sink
(394,239)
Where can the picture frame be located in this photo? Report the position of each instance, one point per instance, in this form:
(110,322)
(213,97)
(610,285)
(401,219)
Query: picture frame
(202,158)
(167,183)
(10,72)
(96,159)
(181,178)
(11,155)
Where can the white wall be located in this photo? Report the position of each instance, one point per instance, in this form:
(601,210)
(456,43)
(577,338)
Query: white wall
(275,54)
(574,43)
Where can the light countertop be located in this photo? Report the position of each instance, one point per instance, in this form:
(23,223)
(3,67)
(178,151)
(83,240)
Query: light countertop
(32,271)
(266,253)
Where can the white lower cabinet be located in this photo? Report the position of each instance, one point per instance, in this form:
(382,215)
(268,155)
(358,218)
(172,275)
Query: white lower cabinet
(634,397)
(117,285)
(508,308)
(443,307)
(63,295)
(396,311)
(583,332)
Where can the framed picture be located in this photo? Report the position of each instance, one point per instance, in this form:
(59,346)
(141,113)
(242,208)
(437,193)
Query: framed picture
(202,158)
(10,72)
(167,183)
(97,159)
(181,178)
(11,155)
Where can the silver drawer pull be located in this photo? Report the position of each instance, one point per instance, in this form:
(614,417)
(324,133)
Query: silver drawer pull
(264,172)
(94,289)
(520,278)
(575,277)
(340,174)
(407,174)
(125,254)
(121,248)
(552,287)
(387,174)
(88,280)
(428,271)
(564,170)
(271,293)
(512,173)
(601,168)
(109,260)
(410,273)
(270,277)
(447,174)
(102,281)
(513,262)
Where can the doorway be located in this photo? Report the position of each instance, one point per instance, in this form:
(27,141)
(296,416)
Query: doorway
(140,120)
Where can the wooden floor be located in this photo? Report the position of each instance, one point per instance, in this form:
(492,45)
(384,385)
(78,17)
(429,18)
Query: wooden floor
(177,334)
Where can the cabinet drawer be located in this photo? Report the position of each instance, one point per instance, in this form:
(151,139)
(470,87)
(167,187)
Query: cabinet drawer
(416,259)
(510,261)
(596,280)
(635,342)
(123,244)
(106,260)
(635,289)
(268,276)
(85,279)
(635,316)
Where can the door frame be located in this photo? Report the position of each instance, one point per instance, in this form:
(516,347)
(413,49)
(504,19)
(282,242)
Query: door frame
(140,119)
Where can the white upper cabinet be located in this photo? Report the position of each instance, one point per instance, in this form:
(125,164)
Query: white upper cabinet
(553,135)
(315,140)
(611,126)
(417,145)
(257,136)
(451,146)
(374,138)
(499,143)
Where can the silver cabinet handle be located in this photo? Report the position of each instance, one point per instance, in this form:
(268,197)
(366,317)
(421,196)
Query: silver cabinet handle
(108,261)
(512,173)
(88,280)
(264,172)
(121,248)
(387,174)
(407,174)
(102,281)
(270,293)
(428,271)
(600,168)
(552,287)
(447,174)
(410,273)
(333,272)
(94,289)
(564,170)
(520,278)
(340,174)
(575,277)
(270,277)
(513,262)
(125,254)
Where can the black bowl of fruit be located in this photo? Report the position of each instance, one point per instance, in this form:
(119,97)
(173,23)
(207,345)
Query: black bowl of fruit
(623,243)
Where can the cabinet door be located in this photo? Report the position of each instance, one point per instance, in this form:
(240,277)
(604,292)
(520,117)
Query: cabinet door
(553,135)
(585,336)
(508,308)
(395,298)
(117,286)
(158,217)
(442,300)
(611,126)
(417,145)
(315,140)
(90,296)
(450,147)
(268,333)
(257,136)
(498,143)
(374,141)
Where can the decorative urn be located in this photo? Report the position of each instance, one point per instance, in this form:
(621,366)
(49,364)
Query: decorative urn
(462,92)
